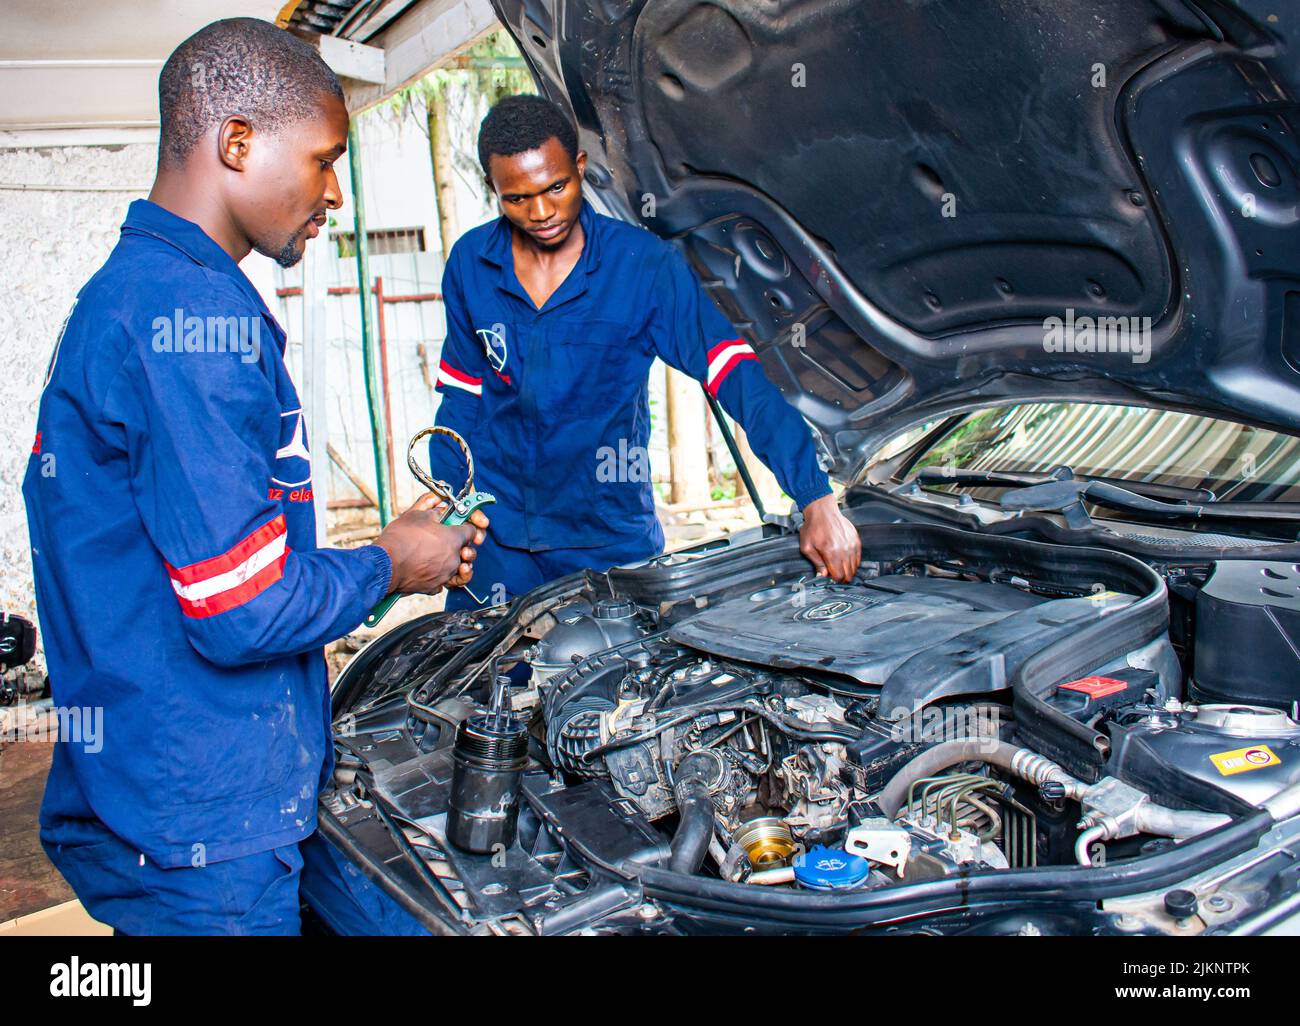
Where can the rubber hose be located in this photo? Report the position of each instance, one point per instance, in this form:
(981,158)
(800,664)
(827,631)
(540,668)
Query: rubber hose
(692,786)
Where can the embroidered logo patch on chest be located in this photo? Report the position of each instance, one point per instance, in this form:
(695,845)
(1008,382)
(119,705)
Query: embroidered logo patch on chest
(494,345)
(292,460)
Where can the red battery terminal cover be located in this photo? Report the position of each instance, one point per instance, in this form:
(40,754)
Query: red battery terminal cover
(1095,687)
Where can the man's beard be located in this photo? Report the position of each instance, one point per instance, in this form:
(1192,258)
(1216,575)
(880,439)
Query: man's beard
(289,253)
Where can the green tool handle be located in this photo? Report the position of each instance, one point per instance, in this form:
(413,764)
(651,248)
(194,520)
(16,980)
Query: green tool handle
(455,516)
(381,610)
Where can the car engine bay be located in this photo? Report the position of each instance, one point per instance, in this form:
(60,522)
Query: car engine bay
(750,736)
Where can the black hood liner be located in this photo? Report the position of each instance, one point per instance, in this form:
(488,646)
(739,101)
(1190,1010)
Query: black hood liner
(890,198)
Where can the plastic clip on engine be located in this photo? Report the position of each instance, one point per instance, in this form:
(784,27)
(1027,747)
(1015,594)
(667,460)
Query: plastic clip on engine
(460,506)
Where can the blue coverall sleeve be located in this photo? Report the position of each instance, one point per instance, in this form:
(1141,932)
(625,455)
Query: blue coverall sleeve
(459,383)
(689,333)
(202,434)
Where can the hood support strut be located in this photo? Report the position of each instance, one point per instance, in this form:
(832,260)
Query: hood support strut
(734,449)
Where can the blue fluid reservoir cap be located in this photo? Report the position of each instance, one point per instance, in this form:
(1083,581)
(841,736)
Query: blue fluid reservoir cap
(830,869)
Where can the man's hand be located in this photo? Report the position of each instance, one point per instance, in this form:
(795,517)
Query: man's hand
(426,553)
(829,541)
(480,521)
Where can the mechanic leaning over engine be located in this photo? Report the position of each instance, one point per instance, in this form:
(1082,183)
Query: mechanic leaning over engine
(554,315)
(182,595)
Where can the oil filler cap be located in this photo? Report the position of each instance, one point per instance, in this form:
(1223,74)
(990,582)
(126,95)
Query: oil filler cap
(830,869)
(613,609)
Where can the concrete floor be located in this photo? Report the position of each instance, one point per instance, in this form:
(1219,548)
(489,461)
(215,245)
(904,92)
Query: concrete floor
(28,880)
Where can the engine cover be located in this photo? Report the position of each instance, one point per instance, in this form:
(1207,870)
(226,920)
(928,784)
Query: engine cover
(917,638)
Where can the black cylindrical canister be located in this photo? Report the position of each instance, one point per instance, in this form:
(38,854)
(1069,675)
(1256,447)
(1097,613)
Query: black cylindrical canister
(490,754)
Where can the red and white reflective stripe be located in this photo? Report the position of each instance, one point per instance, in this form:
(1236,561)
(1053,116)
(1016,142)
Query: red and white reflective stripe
(451,377)
(237,575)
(722,358)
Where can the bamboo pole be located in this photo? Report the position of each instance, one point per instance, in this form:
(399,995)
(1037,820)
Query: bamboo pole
(687,452)
(440,156)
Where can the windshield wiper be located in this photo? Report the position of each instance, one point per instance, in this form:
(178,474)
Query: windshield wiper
(1062,492)
(1067,497)
(1022,479)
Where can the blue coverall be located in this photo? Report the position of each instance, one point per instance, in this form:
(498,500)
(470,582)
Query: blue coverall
(182,597)
(554,402)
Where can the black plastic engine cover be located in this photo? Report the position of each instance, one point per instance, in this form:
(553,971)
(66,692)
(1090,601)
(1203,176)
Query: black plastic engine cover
(596,822)
(917,638)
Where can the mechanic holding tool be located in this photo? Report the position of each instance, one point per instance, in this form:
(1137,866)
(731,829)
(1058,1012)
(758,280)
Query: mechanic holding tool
(169,499)
(554,315)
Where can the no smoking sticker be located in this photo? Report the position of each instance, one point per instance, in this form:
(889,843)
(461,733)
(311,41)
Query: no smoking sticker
(1242,760)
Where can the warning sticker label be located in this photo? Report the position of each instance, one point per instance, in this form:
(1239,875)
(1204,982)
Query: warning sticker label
(1242,760)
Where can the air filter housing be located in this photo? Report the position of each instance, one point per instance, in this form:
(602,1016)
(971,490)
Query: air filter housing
(1248,634)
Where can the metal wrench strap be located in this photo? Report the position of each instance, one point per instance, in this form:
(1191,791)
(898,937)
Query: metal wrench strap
(441,488)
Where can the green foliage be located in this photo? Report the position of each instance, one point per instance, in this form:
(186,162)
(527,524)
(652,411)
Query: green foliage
(492,68)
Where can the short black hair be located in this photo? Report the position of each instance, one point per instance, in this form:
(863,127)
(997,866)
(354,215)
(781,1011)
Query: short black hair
(237,66)
(521,123)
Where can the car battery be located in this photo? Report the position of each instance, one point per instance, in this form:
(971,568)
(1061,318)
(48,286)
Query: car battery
(1085,698)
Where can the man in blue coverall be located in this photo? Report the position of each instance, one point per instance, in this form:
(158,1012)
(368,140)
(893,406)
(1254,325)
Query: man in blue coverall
(554,315)
(182,597)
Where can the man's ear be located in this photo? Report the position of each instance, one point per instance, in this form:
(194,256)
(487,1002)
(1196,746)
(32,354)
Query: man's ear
(234,139)
(581,161)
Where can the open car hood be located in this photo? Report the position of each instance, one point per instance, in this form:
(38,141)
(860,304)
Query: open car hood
(917,207)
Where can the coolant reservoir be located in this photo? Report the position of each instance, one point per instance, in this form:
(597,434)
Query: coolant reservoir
(581,633)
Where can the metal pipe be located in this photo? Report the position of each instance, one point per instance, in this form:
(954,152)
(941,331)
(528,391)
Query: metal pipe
(384,377)
(373,360)
(1166,822)
(768,877)
(1149,818)
(1084,842)
(1022,762)
(351,290)
(1284,804)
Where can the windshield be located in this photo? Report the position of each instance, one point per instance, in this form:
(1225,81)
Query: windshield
(1233,461)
